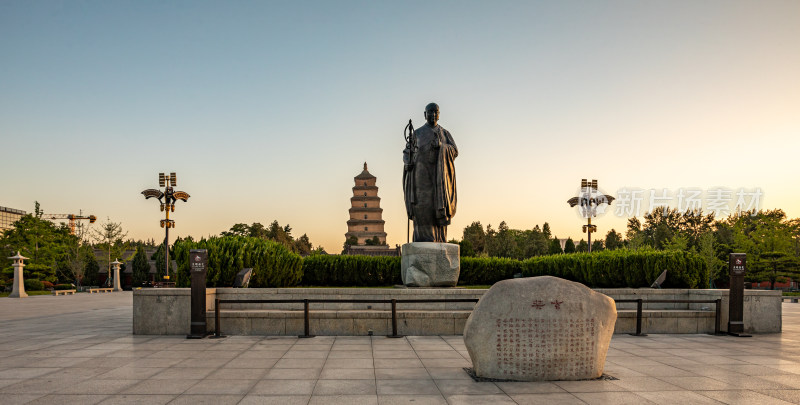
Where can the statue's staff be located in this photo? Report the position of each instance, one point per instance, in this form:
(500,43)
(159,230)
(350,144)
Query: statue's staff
(408,174)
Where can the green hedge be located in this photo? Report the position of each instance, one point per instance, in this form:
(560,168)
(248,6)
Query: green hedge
(64,287)
(273,265)
(33,285)
(351,271)
(621,268)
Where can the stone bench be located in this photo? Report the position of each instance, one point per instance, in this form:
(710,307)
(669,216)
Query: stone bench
(100,290)
(63,292)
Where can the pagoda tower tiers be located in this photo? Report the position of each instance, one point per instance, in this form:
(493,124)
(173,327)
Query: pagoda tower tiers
(366,215)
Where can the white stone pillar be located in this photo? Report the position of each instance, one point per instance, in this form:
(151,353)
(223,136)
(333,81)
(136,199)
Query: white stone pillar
(116,264)
(19,284)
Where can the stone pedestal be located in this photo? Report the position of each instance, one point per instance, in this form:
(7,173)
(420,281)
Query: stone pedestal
(430,264)
(116,265)
(18,290)
(540,329)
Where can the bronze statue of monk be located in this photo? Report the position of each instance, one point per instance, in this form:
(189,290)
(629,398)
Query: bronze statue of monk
(429,179)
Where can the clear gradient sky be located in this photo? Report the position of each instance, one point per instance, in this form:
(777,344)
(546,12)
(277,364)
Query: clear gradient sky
(267,109)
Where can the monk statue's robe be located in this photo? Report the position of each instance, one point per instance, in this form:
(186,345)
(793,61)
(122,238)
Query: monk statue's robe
(429,183)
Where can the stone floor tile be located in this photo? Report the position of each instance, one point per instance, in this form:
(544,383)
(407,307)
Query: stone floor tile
(283,387)
(345,387)
(660,370)
(411,400)
(23,372)
(350,354)
(791,396)
(698,383)
(401,373)
(206,400)
(98,386)
(347,373)
(206,363)
(744,382)
(306,354)
(525,387)
(256,399)
(589,386)
(15,399)
(349,363)
(183,373)
(455,362)
(263,354)
(300,363)
(391,363)
(292,374)
(455,387)
(155,387)
(552,398)
(448,373)
(408,387)
(480,399)
(133,399)
(129,373)
(676,398)
(343,400)
(742,397)
(236,374)
(67,399)
(636,384)
(616,398)
(250,363)
(220,387)
(394,354)
(439,354)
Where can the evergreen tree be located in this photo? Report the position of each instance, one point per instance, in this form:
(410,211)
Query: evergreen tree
(555,246)
(141,267)
(569,246)
(582,246)
(613,240)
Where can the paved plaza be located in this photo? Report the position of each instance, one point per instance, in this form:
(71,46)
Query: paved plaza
(79,350)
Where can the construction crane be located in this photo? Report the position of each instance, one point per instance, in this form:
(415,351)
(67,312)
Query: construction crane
(72,218)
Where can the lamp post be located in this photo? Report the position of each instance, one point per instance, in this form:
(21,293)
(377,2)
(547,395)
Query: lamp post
(170,197)
(589,200)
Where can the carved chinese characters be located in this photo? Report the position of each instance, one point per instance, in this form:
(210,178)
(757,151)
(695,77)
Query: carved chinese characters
(540,328)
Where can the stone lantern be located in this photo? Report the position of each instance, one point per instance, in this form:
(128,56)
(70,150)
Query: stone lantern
(19,284)
(116,265)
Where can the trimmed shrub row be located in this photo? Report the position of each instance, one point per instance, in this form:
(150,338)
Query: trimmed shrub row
(273,265)
(350,271)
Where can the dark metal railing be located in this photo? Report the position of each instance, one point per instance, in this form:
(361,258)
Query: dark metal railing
(639,302)
(306,310)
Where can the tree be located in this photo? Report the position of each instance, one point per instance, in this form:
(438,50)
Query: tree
(476,237)
(351,241)
(141,267)
(582,246)
(597,245)
(569,246)
(555,246)
(45,243)
(613,240)
(707,250)
(109,239)
(303,245)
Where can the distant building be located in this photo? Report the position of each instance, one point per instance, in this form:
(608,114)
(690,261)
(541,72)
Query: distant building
(8,216)
(366,219)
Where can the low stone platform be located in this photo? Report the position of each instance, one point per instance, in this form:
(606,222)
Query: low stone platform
(762,311)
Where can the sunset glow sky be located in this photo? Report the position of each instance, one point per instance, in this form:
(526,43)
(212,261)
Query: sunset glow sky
(268,109)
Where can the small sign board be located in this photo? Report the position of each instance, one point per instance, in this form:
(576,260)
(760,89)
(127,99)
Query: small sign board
(738,264)
(198,260)
(198,263)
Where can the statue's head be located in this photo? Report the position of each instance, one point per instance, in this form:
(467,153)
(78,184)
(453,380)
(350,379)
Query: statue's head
(432,113)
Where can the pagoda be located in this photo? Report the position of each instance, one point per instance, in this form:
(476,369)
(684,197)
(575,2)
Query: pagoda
(366,215)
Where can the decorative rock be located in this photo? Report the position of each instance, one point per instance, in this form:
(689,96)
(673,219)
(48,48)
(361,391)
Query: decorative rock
(540,329)
(430,264)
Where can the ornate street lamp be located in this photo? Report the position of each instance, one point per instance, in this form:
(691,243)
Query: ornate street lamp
(170,197)
(590,200)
